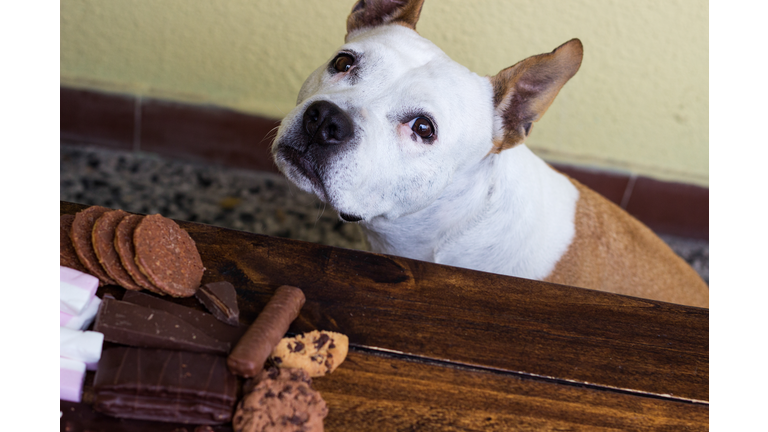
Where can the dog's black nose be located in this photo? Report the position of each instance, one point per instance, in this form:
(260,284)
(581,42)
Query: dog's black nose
(327,124)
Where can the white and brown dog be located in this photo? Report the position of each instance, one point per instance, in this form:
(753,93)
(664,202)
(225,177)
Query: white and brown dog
(430,159)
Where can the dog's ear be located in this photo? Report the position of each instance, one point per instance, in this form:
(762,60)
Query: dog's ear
(523,92)
(372,13)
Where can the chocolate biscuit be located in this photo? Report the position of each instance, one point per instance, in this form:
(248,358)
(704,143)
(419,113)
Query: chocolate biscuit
(167,255)
(126,252)
(67,255)
(317,352)
(103,238)
(81,235)
(283,400)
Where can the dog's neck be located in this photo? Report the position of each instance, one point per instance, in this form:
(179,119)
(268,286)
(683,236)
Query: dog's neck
(512,197)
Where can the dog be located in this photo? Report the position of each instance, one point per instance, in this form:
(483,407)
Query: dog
(430,159)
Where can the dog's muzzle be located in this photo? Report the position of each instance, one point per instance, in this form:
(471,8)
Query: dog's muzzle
(327,124)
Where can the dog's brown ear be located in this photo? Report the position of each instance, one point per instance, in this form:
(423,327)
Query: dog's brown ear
(523,92)
(372,13)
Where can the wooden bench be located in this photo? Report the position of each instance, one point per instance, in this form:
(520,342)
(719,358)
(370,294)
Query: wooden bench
(440,348)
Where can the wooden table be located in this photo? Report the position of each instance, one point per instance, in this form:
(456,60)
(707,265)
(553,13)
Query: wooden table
(438,348)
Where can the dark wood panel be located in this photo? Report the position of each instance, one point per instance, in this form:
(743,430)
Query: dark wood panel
(385,393)
(468,317)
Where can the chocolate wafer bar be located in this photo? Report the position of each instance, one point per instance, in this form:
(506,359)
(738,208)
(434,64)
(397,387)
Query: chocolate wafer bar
(248,357)
(164,385)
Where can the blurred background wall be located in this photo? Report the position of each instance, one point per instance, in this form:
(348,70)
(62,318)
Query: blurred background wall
(638,105)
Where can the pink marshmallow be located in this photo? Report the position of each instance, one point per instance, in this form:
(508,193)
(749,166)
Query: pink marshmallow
(82,321)
(72,374)
(76,290)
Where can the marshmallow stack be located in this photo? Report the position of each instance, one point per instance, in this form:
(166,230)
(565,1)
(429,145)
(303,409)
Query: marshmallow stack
(79,350)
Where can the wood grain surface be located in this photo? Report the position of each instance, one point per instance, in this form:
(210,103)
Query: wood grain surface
(443,348)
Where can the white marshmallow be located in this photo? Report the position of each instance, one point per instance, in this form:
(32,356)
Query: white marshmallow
(82,321)
(76,290)
(83,346)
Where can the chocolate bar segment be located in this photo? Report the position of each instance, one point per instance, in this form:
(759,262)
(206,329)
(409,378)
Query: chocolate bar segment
(206,322)
(164,385)
(134,325)
(220,299)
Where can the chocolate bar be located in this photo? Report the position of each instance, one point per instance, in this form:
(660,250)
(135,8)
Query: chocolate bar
(134,325)
(206,322)
(164,385)
(220,299)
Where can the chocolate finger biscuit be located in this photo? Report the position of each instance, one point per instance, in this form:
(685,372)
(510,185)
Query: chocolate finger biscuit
(168,256)
(250,353)
(103,238)
(67,255)
(126,252)
(81,234)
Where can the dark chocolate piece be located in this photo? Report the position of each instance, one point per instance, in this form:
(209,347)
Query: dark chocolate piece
(164,385)
(134,325)
(220,299)
(248,357)
(206,322)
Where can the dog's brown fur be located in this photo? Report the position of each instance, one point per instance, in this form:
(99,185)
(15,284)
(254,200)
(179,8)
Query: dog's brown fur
(612,251)
(373,13)
(522,93)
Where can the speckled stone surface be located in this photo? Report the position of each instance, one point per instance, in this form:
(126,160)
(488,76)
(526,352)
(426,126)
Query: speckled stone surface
(253,201)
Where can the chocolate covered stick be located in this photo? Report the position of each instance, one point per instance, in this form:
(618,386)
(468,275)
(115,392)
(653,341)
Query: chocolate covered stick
(250,353)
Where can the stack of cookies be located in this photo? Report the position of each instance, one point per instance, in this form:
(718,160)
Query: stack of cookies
(133,251)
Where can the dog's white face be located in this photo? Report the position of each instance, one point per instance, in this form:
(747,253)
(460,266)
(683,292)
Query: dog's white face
(383,126)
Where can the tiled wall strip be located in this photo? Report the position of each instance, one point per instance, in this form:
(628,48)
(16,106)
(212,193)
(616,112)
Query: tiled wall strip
(228,138)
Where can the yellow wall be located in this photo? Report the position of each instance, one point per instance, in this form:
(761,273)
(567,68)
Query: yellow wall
(639,103)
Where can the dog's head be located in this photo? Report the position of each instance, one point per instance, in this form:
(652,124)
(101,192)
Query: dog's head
(381,128)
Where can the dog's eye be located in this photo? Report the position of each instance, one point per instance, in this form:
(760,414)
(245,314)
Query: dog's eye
(423,127)
(343,62)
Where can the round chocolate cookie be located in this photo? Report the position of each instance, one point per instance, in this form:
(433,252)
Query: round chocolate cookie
(283,400)
(67,255)
(168,256)
(103,238)
(124,247)
(82,228)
